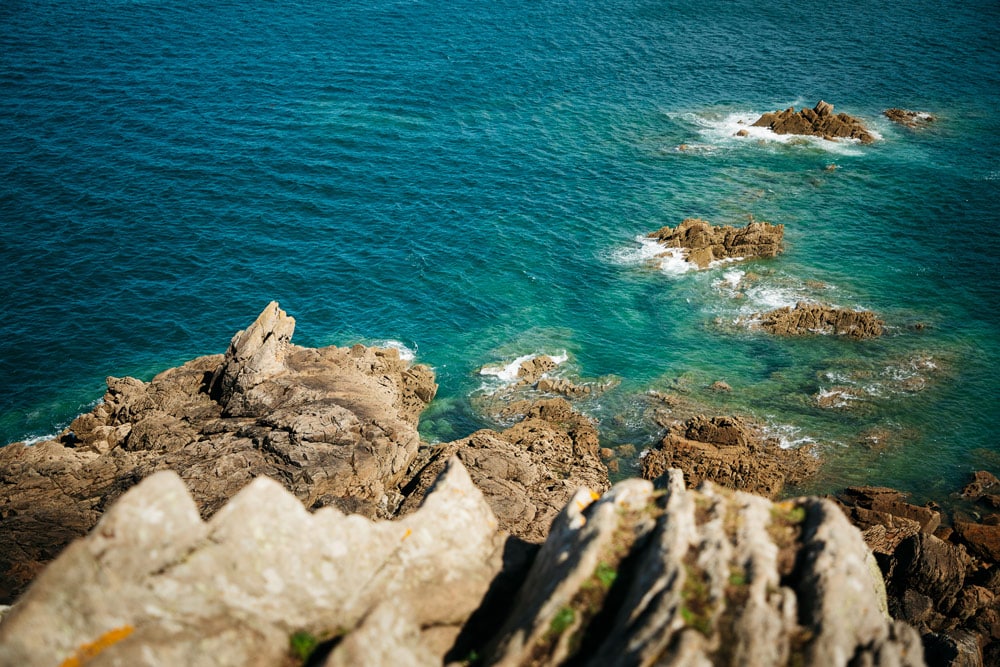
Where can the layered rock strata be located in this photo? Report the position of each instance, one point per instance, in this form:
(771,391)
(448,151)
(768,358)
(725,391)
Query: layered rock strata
(335,426)
(820,121)
(638,576)
(943,578)
(812,318)
(729,451)
(703,243)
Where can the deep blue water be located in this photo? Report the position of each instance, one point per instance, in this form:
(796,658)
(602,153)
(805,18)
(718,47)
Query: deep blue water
(470,179)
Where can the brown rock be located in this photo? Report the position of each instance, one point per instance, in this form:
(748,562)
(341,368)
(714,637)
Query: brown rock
(731,452)
(911,119)
(527,472)
(809,318)
(721,386)
(330,424)
(882,505)
(820,121)
(704,243)
(531,370)
(983,540)
(931,567)
(982,483)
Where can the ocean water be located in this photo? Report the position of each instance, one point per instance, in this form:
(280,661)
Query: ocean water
(471,180)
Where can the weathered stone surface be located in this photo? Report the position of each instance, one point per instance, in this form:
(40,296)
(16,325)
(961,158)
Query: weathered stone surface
(154,585)
(911,119)
(983,540)
(527,472)
(679,577)
(871,505)
(729,451)
(703,243)
(812,318)
(334,425)
(820,121)
(983,483)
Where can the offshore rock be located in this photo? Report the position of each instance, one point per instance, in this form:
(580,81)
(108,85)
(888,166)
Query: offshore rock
(638,576)
(810,318)
(703,243)
(820,121)
(911,119)
(154,585)
(333,425)
(731,452)
(528,472)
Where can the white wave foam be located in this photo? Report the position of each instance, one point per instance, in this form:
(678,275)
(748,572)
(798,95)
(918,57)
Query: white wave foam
(788,436)
(651,252)
(722,131)
(405,353)
(38,439)
(508,372)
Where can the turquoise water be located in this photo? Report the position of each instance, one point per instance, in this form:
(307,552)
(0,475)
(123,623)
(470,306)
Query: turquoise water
(469,179)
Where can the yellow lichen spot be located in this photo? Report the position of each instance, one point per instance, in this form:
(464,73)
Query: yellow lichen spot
(87,652)
(594,495)
(409,531)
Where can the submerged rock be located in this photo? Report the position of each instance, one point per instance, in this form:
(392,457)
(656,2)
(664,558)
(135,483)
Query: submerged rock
(638,576)
(911,119)
(703,243)
(820,121)
(731,452)
(811,318)
(334,425)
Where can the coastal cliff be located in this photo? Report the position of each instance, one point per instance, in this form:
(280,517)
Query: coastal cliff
(274,506)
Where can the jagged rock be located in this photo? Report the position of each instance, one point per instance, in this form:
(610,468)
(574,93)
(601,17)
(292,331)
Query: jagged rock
(911,119)
(154,585)
(811,318)
(983,540)
(729,451)
(871,505)
(563,387)
(333,425)
(527,472)
(697,578)
(703,243)
(531,370)
(820,121)
(983,483)
(720,386)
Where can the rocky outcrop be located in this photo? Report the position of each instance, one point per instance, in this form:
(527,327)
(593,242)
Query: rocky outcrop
(820,121)
(911,119)
(731,452)
(155,585)
(942,579)
(335,426)
(703,243)
(637,576)
(527,472)
(812,318)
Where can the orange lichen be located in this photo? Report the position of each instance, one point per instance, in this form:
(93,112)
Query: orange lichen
(91,650)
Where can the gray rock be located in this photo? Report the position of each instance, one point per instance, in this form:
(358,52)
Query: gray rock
(709,577)
(154,585)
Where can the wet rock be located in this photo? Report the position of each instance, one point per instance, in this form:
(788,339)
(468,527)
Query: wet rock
(528,472)
(982,483)
(154,585)
(911,119)
(729,451)
(883,505)
(820,121)
(531,370)
(720,386)
(331,423)
(703,243)
(809,318)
